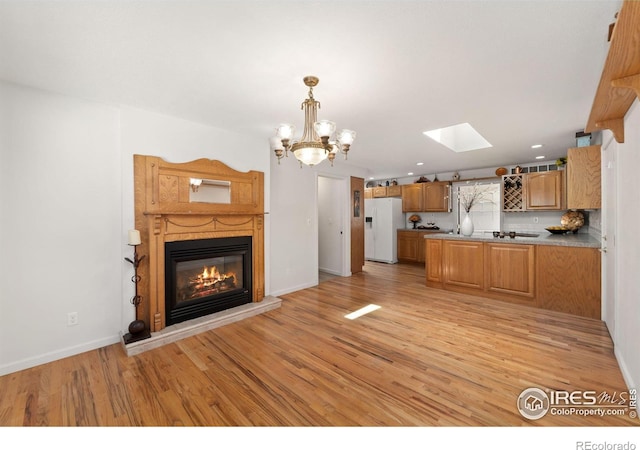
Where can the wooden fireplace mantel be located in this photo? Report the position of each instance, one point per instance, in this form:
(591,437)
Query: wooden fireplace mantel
(164,213)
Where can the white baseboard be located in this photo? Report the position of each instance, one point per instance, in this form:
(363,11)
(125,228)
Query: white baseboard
(58,354)
(626,374)
(292,289)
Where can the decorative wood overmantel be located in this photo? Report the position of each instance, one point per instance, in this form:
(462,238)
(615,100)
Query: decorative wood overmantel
(620,81)
(164,212)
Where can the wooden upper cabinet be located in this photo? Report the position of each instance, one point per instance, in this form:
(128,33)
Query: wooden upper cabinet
(368,192)
(544,190)
(584,178)
(379,191)
(394,191)
(436,196)
(412,197)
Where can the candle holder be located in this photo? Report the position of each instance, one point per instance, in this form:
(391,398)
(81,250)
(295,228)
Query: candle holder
(137,329)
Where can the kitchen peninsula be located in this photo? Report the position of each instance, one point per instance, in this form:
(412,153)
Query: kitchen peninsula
(556,272)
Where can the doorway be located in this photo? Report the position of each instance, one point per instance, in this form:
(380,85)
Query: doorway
(331,226)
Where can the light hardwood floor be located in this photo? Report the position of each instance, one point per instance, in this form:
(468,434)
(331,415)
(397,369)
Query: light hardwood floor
(426,358)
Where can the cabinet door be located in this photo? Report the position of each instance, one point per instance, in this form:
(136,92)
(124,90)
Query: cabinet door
(510,269)
(412,197)
(394,191)
(407,246)
(433,260)
(380,191)
(436,197)
(568,280)
(368,193)
(544,190)
(463,264)
(584,178)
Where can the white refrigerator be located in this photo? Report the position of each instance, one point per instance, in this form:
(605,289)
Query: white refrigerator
(383,216)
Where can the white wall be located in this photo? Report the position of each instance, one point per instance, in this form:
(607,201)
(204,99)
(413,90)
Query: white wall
(294,220)
(66,203)
(627,301)
(61,227)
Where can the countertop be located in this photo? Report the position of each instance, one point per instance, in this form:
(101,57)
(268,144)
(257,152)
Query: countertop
(424,230)
(545,238)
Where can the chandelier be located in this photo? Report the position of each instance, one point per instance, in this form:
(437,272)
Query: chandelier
(315,145)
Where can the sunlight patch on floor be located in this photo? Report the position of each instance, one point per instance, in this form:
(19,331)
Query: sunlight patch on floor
(362,311)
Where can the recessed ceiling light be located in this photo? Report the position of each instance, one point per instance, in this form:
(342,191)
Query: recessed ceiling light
(410,173)
(371,178)
(459,138)
(419,164)
(540,157)
(536,146)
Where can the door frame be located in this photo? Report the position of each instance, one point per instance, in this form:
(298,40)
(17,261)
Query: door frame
(608,156)
(345,188)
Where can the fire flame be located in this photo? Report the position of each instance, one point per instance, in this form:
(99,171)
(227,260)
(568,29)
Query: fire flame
(210,276)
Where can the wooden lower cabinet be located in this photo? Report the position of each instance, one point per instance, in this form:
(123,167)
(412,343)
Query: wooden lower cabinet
(558,278)
(568,280)
(510,270)
(463,264)
(433,260)
(411,246)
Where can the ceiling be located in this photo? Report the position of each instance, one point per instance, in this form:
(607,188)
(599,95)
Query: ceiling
(520,72)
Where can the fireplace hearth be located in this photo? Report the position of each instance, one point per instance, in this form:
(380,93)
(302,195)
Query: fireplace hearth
(205,276)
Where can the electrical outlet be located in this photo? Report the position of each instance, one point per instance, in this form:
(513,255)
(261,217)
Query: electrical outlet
(72,319)
(535,219)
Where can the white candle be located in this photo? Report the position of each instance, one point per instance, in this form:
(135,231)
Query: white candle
(134,237)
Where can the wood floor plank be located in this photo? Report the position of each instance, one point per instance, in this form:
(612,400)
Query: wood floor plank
(427,357)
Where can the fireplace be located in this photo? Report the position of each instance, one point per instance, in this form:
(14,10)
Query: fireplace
(195,265)
(205,276)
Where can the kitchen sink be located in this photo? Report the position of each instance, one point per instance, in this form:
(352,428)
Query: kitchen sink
(513,234)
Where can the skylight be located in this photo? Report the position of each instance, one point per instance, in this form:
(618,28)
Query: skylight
(459,138)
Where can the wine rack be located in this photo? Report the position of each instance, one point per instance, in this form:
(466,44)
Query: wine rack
(513,192)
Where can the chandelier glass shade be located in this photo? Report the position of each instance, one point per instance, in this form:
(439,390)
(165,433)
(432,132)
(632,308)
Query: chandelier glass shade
(315,145)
